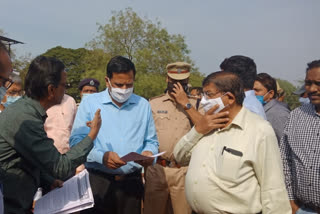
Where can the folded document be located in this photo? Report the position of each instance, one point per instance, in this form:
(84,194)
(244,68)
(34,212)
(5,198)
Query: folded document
(133,156)
(75,195)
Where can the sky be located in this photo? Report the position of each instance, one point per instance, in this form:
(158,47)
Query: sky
(282,36)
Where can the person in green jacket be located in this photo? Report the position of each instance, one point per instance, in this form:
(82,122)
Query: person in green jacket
(28,158)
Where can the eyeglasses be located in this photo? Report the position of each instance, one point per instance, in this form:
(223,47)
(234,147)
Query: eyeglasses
(210,95)
(7,83)
(15,93)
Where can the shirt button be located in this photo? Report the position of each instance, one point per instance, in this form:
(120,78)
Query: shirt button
(204,165)
(196,182)
(309,185)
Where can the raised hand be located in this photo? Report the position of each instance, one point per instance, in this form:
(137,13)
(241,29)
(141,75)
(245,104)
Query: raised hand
(211,121)
(179,94)
(95,125)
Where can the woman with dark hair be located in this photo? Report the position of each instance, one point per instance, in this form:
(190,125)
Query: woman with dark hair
(265,88)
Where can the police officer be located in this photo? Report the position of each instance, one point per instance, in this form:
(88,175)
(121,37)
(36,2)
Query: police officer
(88,86)
(174,115)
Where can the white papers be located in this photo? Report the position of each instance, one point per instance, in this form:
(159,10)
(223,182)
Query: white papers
(75,195)
(133,156)
(159,154)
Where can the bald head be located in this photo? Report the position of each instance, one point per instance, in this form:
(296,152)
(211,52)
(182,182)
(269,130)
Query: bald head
(226,82)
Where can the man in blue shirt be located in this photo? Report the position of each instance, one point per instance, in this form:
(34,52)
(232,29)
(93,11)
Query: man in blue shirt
(128,127)
(246,69)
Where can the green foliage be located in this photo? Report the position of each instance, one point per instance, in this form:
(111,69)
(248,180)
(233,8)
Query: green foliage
(95,62)
(290,98)
(196,79)
(147,44)
(74,62)
(21,64)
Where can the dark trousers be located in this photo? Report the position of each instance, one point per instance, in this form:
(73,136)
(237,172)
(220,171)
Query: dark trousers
(114,195)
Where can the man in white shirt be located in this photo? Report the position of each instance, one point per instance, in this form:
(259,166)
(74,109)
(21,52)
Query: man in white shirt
(246,69)
(235,164)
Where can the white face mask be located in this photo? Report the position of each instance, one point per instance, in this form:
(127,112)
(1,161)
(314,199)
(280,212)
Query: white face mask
(209,103)
(3,92)
(11,99)
(119,94)
(84,95)
(304,100)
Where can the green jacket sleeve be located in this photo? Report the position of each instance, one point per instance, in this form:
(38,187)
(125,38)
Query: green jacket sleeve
(32,143)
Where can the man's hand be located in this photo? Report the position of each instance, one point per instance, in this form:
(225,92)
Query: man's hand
(112,160)
(95,125)
(146,163)
(56,183)
(294,206)
(179,94)
(211,121)
(80,168)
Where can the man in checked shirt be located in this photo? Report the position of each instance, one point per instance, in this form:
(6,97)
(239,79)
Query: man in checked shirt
(300,148)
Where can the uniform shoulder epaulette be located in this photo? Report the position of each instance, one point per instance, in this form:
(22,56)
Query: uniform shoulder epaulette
(152,98)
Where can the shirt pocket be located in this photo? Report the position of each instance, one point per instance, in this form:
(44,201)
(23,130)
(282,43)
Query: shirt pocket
(228,164)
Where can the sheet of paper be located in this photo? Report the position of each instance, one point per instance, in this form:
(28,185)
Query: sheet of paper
(75,195)
(159,154)
(133,156)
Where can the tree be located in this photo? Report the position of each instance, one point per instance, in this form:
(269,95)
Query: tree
(289,98)
(95,62)
(21,65)
(147,44)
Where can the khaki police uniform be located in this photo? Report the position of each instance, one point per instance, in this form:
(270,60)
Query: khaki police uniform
(164,189)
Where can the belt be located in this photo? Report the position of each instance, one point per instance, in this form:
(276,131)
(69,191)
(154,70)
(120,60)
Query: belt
(136,174)
(165,163)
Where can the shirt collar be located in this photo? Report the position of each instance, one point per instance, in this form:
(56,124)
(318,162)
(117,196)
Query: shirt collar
(167,97)
(269,104)
(36,104)
(238,121)
(249,93)
(314,109)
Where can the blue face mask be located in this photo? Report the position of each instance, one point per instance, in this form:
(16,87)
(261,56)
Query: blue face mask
(10,100)
(260,98)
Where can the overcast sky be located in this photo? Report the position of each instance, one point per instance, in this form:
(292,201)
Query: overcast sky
(280,35)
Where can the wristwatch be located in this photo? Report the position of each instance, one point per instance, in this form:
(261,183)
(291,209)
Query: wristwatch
(187,106)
